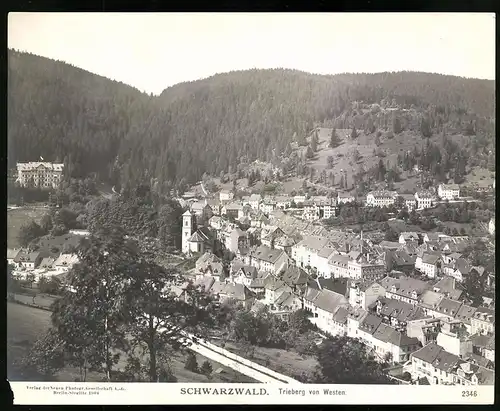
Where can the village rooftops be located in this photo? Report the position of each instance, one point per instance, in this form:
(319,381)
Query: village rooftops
(37,164)
(329,301)
(273,284)
(12,253)
(249,271)
(285,241)
(450,187)
(340,315)
(436,356)
(430,259)
(449,286)
(295,276)
(406,286)
(390,245)
(485,314)
(27,257)
(465,313)
(339,260)
(383,194)
(47,262)
(205,283)
(424,194)
(448,307)
(430,299)
(236,291)
(399,310)
(407,197)
(326,252)
(409,235)
(400,257)
(267,254)
(392,336)
(313,243)
(370,323)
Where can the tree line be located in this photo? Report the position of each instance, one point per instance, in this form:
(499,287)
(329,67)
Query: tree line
(98,126)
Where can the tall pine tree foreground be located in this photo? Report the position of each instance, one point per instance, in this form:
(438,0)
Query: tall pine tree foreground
(121,302)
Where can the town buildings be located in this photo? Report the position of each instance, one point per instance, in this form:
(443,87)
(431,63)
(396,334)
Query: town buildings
(43,175)
(448,191)
(381,198)
(424,199)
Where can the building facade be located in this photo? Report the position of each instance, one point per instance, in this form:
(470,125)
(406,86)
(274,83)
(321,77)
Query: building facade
(40,174)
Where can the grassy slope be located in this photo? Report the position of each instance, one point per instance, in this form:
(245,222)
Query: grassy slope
(282,361)
(16,218)
(25,324)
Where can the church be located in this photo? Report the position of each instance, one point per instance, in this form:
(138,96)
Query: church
(195,239)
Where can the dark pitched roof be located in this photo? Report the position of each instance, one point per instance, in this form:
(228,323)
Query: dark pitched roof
(390,335)
(485,314)
(341,315)
(465,313)
(400,310)
(437,356)
(449,307)
(370,323)
(267,254)
(430,299)
(430,259)
(295,276)
(405,286)
(329,301)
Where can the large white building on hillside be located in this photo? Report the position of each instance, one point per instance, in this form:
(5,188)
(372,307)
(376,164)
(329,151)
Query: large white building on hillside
(381,198)
(448,191)
(39,174)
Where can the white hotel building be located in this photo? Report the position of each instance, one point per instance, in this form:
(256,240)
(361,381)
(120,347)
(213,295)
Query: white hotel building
(39,174)
(381,198)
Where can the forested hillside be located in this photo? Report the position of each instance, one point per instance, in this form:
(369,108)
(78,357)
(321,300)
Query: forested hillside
(97,125)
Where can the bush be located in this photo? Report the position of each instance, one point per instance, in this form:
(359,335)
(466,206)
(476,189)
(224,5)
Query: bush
(206,368)
(191,362)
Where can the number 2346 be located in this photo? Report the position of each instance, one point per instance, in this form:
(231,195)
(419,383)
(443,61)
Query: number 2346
(469,393)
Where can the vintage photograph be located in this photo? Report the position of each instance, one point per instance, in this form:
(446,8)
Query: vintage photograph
(251,198)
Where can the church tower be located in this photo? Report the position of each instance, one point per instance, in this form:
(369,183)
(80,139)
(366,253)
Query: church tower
(188,228)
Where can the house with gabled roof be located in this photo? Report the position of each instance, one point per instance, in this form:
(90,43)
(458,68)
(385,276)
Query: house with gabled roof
(424,199)
(483,321)
(273,288)
(448,191)
(237,292)
(285,304)
(408,237)
(27,260)
(266,259)
(305,252)
(362,294)
(399,260)
(323,304)
(428,264)
(446,309)
(449,287)
(464,315)
(210,265)
(397,313)
(441,367)
(404,288)
(296,278)
(388,342)
(12,254)
(459,270)
(434,363)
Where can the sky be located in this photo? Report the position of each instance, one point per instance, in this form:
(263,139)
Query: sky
(152,51)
